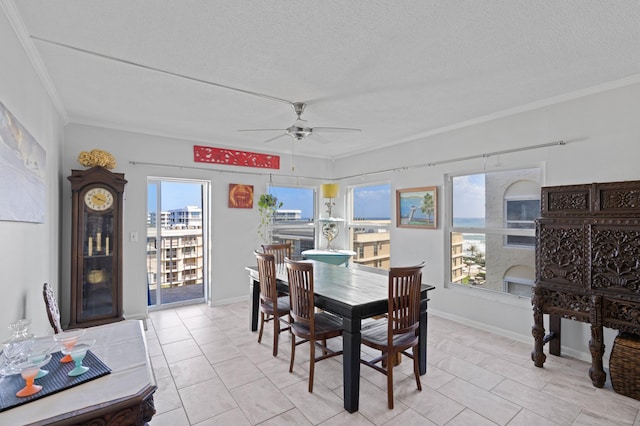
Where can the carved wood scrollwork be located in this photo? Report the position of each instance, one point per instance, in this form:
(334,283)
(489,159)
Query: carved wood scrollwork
(620,199)
(561,255)
(625,316)
(567,304)
(596,344)
(569,201)
(615,259)
(537,331)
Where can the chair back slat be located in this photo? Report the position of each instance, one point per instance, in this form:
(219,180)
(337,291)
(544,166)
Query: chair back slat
(300,275)
(267,277)
(280,252)
(404,299)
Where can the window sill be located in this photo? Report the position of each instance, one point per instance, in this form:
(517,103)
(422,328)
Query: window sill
(492,295)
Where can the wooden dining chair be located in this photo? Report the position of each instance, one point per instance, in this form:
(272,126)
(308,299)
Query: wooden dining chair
(306,324)
(52,308)
(279,252)
(397,332)
(272,307)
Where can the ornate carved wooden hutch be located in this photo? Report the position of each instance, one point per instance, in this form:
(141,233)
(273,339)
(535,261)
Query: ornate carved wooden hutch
(587,264)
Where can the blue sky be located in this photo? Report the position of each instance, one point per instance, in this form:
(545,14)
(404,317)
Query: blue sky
(175,195)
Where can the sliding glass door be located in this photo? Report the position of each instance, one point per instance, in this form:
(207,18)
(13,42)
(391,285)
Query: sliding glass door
(176,243)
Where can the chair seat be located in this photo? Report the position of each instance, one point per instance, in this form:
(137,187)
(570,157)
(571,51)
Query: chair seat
(375,335)
(326,327)
(283,306)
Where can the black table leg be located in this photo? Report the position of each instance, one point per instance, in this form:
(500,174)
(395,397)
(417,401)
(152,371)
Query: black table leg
(254,303)
(422,343)
(351,362)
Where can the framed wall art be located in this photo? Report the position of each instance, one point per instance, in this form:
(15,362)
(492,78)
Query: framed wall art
(23,196)
(234,157)
(240,196)
(417,207)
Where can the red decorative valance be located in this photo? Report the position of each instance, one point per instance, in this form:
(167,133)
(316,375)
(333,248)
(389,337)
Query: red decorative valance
(233,157)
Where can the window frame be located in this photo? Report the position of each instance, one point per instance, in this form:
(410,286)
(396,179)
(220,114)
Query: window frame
(487,231)
(276,225)
(507,222)
(518,281)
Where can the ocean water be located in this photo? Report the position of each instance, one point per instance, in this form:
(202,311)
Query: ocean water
(475,222)
(470,239)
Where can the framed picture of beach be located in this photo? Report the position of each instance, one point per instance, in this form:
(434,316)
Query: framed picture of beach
(417,207)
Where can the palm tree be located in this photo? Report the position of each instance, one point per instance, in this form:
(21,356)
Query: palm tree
(474,256)
(428,206)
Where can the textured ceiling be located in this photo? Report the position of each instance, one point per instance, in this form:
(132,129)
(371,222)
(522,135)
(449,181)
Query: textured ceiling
(397,70)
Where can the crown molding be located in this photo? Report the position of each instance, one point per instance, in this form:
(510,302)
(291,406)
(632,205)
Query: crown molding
(11,11)
(593,90)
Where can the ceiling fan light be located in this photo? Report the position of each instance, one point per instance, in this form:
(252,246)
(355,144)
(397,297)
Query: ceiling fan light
(299,133)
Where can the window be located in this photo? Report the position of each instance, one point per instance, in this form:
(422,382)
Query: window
(522,207)
(492,229)
(519,280)
(521,214)
(176,247)
(294,221)
(369,222)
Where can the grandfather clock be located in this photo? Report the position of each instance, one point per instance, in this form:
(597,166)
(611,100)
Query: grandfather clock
(96,246)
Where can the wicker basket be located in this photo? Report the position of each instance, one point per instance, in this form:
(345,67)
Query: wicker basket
(624,365)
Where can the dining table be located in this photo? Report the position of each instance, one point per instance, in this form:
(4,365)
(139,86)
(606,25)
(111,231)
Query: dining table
(123,396)
(354,293)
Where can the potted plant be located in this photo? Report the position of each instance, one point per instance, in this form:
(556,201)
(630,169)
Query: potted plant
(267,206)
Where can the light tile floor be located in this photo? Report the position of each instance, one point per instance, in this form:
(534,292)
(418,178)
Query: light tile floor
(211,371)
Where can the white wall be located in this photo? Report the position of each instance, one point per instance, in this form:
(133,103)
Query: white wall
(233,231)
(29,253)
(602,133)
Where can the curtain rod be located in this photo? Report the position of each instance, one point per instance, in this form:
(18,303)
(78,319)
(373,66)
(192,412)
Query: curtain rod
(143,163)
(397,169)
(455,160)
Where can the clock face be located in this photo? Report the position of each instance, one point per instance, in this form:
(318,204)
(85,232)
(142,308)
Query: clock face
(98,199)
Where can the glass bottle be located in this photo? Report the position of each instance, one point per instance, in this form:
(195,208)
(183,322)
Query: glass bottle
(16,348)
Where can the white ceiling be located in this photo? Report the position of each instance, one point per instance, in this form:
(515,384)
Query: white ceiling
(398,70)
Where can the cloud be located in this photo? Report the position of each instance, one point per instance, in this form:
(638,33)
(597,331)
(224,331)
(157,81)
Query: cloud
(468,196)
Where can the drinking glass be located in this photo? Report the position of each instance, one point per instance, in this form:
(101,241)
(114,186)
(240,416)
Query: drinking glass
(40,348)
(77,353)
(68,339)
(29,370)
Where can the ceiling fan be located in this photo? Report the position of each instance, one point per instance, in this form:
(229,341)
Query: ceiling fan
(299,130)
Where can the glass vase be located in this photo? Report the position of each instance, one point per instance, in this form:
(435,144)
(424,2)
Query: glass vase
(16,348)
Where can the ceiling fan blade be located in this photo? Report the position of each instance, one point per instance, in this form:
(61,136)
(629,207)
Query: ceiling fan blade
(319,138)
(335,129)
(262,130)
(277,137)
